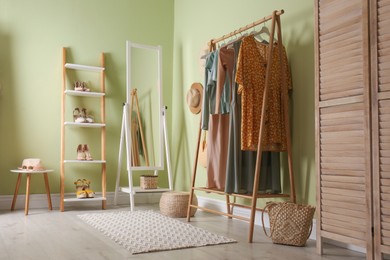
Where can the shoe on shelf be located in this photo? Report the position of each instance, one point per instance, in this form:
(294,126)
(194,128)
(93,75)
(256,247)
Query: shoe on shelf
(90,193)
(88,156)
(89,119)
(80,153)
(78,115)
(84,86)
(78,86)
(80,192)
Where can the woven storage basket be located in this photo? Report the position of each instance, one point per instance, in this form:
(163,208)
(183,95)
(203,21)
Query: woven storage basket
(148,182)
(290,223)
(175,204)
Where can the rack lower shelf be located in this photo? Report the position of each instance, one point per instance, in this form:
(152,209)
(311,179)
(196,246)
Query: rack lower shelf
(137,189)
(246,196)
(85,200)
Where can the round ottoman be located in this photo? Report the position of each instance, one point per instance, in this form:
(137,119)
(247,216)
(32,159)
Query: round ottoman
(175,204)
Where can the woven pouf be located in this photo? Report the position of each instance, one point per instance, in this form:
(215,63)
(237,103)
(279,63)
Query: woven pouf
(175,204)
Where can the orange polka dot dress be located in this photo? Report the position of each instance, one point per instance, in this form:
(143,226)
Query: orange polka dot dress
(251,72)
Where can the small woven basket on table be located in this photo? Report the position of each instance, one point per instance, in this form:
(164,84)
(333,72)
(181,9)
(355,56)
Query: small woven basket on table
(148,182)
(175,204)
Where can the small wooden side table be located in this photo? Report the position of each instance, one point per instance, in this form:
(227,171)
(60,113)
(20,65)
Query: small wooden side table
(29,173)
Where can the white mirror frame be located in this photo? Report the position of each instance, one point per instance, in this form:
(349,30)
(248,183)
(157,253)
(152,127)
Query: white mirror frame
(158,49)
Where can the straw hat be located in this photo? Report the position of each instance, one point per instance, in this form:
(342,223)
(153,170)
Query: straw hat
(194,97)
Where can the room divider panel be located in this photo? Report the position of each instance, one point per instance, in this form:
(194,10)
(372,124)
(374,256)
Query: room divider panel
(353,123)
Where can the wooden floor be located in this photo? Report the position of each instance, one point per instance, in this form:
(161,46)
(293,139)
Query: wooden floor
(44,235)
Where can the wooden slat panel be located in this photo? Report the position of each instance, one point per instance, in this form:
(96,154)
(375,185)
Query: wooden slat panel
(342,211)
(385,204)
(343,172)
(340,159)
(343,224)
(345,179)
(385,174)
(343,192)
(385,211)
(340,48)
(347,199)
(341,120)
(351,219)
(344,205)
(385,226)
(344,166)
(385,189)
(341,185)
(344,231)
(385,182)
(349,153)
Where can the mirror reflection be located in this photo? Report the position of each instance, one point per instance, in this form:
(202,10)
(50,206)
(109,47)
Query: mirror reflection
(144,99)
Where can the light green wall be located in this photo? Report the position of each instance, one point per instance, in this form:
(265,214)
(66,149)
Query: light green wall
(32,34)
(196,22)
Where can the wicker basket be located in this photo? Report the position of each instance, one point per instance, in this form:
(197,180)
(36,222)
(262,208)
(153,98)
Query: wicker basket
(175,204)
(148,182)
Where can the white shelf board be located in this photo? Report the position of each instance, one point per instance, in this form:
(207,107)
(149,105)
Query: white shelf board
(83,93)
(83,67)
(84,199)
(138,189)
(96,125)
(84,161)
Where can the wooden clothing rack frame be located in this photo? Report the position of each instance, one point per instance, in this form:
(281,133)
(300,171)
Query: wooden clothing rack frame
(275,18)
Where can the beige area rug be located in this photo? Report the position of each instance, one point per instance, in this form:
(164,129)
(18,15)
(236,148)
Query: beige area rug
(149,231)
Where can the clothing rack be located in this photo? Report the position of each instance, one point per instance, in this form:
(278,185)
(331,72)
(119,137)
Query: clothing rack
(275,18)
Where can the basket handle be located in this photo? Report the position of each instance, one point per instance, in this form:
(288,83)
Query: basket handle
(262,218)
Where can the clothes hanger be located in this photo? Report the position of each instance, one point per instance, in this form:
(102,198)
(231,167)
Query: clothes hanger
(263,30)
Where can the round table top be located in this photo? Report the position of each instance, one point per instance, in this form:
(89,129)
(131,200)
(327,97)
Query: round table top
(31,171)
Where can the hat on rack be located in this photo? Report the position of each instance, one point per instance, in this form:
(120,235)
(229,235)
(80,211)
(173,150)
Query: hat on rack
(194,97)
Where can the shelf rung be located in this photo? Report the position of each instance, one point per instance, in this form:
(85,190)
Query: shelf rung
(92,125)
(84,93)
(83,67)
(84,161)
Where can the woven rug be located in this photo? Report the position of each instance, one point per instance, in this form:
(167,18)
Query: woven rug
(149,231)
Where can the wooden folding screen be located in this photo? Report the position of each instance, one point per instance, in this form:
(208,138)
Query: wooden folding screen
(343,132)
(380,79)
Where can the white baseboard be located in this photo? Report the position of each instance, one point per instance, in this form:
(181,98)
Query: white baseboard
(220,205)
(39,201)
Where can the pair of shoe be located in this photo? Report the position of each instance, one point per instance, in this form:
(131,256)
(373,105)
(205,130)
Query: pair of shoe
(81,86)
(83,153)
(83,190)
(81,116)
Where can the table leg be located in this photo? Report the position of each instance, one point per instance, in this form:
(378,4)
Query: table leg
(47,190)
(27,194)
(16,191)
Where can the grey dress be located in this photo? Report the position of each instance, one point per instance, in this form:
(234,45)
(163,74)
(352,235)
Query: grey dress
(240,165)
